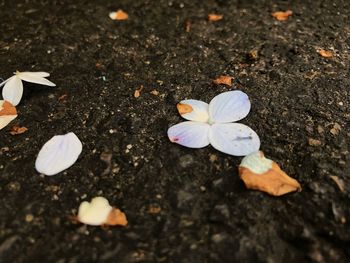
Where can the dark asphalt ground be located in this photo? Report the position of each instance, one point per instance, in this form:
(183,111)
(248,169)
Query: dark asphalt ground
(183,205)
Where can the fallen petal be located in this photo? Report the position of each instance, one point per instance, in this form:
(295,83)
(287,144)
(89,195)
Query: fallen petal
(58,154)
(194,110)
(35,78)
(13,90)
(234,138)
(260,173)
(7,113)
(229,106)
(100,212)
(190,134)
(37,74)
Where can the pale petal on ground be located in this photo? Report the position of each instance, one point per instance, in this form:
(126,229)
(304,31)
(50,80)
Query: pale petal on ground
(234,138)
(29,77)
(58,154)
(94,213)
(190,134)
(194,110)
(229,106)
(36,74)
(13,90)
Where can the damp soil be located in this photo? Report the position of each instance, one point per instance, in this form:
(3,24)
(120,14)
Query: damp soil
(183,205)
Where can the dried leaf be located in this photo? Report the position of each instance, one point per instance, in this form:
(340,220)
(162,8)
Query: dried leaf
(215,17)
(63,97)
(314,142)
(253,54)
(188,25)
(281,15)
(339,182)
(260,173)
(336,129)
(155,92)
(226,80)
(7,113)
(154,209)
(325,53)
(18,130)
(119,15)
(137,92)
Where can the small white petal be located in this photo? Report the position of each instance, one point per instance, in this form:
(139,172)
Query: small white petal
(36,74)
(13,90)
(190,134)
(7,113)
(5,81)
(94,213)
(229,106)
(30,77)
(58,154)
(234,138)
(194,110)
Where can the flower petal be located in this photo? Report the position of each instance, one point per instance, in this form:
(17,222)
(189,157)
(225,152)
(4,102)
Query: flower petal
(40,74)
(58,154)
(194,110)
(234,138)
(5,81)
(13,90)
(190,134)
(94,213)
(30,77)
(229,107)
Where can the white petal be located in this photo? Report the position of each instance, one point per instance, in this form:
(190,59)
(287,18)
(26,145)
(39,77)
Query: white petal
(58,154)
(13,90)
(94,213)
(29,77)
(194,110)
(229,107)
(35,74)
(5,81)
(190,134)
(234,138)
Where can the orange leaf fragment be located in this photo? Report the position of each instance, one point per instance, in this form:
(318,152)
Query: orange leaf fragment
(260,173)
(119,15)
(215,17)
(184,108)
(137,92)
(325,53)
(116,218)
(8,113)
(18,130)
(281,15)
(226,80)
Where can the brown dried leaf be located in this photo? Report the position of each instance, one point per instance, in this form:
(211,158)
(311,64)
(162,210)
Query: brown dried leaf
(63,97)
(226,80)
(339,182)
(274,181)
(336,129)
(119,15)
(282,16)
(18,130)
(325,53)
(188,25)
(154,92)
(116,218)
(215,17)
(154,209)
(137,92)
(314,142)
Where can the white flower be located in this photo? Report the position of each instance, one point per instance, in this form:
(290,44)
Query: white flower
(212,124)
(13,88)
(58,154)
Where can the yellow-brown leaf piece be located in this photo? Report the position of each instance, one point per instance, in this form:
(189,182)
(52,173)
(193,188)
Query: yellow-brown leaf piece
(119,15)
(226,80)
(116,218)
(18,130)
(215,17)
(325,53)
(260,173)
(8,113)
(282,16)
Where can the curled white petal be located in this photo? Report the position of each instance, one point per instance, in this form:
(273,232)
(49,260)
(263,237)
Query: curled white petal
(94,213)
(58,154)
(190,134)
(35,78)
(234,138)
(229,106)
(194,110)
(13,90)
(40,74)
